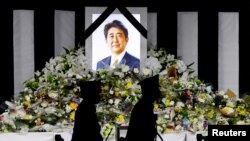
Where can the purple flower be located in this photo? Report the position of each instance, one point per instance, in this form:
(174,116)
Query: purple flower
(74,99)
(205,124)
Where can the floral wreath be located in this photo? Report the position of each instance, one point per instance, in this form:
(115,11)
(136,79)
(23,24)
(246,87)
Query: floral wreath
(49,100)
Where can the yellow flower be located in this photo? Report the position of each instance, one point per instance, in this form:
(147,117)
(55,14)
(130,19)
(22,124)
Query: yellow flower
(27,117)
(117,92)
(72,116)
(39,121)
(105,88)
(156,106)
(228,111)
(241,111)
(26,103)
(210,114)
(202,95)
(129,84)
(73,105)
(119,118)
(177,109)
(167,102)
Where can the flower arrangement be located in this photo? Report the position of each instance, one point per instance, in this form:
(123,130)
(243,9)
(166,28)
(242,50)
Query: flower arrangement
(49,100)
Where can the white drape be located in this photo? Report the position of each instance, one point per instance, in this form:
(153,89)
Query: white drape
(23,38)
(187,37)
(152,29)
(64,31)
(228,51)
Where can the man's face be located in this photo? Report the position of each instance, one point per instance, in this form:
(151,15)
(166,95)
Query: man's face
(116,40)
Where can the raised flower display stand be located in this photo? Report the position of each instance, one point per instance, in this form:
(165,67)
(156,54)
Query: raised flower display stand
(66,135)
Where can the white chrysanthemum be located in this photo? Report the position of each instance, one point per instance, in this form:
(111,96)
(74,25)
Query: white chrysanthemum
(125,68)
(200,126)
(111,101)
(20,114)
(68,108)
(117,101)
(180,104)
(230,104)
(44,104)
(120,74)
(53,95)
(221,93)
(181,67)
(79,51)
(151,63)
(111,92)
(172,103)
(7,119)
(26,89)
(225,96)
(160,129)
(170,57)
(81,61)
(59,67)
(70,72)
(37,73)
(241,122)
(59,59)
(200,117)
(78,76)
(146,71)
(184,76)
(50,110)
(178,128)
(47,127)
(151,52)
(136,70)
(201,100)
(27,98)
(209,89)
(162,60)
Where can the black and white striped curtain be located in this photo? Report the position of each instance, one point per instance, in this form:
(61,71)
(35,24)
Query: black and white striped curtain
(215,41)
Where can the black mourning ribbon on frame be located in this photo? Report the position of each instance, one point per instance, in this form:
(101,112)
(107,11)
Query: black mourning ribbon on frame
(104,16)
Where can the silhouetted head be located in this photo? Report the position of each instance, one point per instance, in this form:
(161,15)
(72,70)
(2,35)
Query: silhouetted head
(90,91)
(150,88)
(58,137)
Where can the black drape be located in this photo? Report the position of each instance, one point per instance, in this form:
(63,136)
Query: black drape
(43,36)
(208,47)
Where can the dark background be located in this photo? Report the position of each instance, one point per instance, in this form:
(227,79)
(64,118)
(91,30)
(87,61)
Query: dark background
(166,32)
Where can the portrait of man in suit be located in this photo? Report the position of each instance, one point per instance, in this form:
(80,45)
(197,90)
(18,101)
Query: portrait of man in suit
(116,36)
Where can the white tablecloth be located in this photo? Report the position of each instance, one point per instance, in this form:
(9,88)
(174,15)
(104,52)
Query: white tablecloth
(49,136)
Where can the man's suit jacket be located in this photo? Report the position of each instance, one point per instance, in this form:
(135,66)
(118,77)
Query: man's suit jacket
(128,59)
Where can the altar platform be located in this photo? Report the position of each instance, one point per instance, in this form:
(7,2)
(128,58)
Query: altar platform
(66,135)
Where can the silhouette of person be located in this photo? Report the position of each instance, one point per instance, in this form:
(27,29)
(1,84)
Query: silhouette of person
(199,137)
(58,137)
(142,124)
(86,126)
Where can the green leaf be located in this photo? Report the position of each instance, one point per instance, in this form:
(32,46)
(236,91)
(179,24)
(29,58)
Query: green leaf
(66,50)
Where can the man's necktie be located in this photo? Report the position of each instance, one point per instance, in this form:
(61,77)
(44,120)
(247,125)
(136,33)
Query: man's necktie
(115,63)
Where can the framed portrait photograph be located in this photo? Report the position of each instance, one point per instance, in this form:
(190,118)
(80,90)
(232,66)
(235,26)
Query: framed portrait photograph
(99,45)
